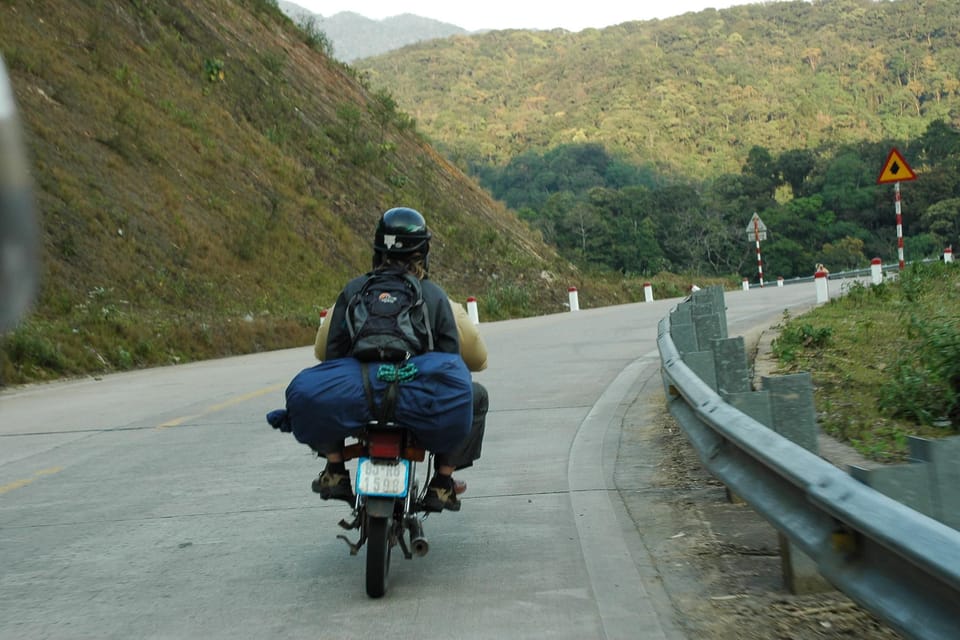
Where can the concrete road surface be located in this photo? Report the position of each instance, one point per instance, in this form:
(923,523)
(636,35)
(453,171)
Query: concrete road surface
(160,504)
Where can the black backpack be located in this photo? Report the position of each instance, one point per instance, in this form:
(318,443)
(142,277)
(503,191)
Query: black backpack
(387,318)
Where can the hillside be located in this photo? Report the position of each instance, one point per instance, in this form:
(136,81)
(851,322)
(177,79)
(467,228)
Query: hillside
(354,36)
(691,94)
(207,179)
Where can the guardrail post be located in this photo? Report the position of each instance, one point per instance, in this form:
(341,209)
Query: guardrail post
(794,417)
(682,330)
(733,371)
(927,483)
(708,319)
(944,458)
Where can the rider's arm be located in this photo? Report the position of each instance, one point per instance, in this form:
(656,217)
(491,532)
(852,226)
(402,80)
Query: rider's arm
(320,345)
(446,338)
(472,348)
(338,338)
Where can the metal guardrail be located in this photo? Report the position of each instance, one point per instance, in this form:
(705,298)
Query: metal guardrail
(896,562)
(891,268)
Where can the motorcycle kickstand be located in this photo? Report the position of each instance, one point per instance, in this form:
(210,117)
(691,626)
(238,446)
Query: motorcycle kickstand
(354,546)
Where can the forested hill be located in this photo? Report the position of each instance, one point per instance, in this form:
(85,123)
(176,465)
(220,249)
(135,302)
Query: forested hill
(691,94)
(207,178)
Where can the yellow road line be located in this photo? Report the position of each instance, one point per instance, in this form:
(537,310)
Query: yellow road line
(16,484)
(176,422)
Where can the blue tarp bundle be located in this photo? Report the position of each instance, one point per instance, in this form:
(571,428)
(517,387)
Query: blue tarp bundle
(327,403)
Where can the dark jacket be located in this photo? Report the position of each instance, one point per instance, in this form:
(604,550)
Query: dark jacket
(439,315)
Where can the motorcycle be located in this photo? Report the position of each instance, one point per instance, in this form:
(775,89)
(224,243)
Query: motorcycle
(388,499)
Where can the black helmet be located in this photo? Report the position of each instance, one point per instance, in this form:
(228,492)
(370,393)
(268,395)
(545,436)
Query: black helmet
(401,231)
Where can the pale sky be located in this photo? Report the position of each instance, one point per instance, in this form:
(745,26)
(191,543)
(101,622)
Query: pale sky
(475,15)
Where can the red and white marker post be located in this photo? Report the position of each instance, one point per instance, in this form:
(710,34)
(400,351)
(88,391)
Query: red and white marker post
(756,233)
(820,279)
(876,271)
(896,197)
(472,310)
(574,299)
(896,170)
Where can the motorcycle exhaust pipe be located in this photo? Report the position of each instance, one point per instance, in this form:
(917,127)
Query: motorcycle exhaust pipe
(418,542)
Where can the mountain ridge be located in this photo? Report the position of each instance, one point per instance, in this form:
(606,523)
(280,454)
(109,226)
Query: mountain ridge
(354,36)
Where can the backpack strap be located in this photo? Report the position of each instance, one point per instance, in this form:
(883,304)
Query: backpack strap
(418,286)
(368,389)
(353,301)
(389,405)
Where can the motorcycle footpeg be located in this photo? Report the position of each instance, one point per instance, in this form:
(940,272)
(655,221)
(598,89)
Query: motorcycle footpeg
(354,547)
(344,524)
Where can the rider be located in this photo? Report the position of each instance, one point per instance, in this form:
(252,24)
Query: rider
(402,239)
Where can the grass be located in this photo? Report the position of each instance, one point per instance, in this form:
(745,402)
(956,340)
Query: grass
(884,360)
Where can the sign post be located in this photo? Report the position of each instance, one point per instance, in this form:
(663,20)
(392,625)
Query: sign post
(757,231)
(895,170)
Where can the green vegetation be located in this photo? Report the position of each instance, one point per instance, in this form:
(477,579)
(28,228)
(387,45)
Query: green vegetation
(689,95)
(820,207)
(207,179)
(669,135)
(885,360)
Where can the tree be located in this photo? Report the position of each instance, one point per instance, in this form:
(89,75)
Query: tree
(794,166)
(943,221)
(846,253)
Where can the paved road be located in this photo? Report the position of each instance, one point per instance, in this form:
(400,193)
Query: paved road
(159,504)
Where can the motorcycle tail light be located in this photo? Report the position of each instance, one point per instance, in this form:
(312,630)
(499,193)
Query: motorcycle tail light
(385,444)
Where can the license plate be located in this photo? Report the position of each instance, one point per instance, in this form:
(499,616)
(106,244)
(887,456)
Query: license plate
(382,479)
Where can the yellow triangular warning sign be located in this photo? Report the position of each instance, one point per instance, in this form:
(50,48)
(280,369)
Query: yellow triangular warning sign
(895,169)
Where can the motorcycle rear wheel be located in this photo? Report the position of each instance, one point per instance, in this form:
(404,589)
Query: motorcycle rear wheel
(378,555)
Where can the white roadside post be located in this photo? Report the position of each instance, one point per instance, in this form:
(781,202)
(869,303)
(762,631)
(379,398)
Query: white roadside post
(472,310)
(574,299)
(746,285)
(820,279)
(647,292)
(323,316)
(780,281)
(948,254)
(876,271)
